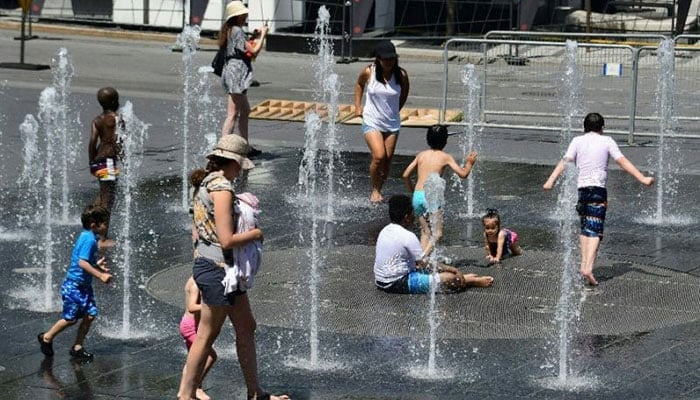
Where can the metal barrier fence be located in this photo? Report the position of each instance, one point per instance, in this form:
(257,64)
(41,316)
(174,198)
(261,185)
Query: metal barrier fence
(520,81)
(687,84)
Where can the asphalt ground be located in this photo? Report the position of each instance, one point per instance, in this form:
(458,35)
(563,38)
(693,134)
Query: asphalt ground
(633,341)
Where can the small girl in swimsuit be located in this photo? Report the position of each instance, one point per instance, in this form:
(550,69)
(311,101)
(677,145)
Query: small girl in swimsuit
(188,328)
(499,242)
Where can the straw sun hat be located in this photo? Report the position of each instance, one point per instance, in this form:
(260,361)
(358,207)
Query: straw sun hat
(235,8)
(233,147)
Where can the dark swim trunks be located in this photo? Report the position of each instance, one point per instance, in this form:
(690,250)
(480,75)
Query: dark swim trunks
(591,207)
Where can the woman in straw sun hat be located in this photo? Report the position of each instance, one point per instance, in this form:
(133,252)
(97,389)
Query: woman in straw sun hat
(237,74)
(216,238)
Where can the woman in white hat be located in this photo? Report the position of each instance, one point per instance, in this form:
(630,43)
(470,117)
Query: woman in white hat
(212,215)
(237,74)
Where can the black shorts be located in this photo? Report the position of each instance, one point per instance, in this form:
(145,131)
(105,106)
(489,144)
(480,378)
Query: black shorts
(208,275)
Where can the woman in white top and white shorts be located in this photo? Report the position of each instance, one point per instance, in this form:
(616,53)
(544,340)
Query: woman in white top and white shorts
(386,86)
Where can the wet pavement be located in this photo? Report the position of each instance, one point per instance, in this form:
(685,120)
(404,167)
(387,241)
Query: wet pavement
(639,332)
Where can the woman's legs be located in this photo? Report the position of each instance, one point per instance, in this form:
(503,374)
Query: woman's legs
(389,146)
(382,150)
(243,113)
(237,107)
(212,318)
(244,324)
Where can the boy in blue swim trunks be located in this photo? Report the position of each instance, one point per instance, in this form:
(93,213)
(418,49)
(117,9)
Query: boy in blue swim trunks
(399,265)
(590,152)
(432,161)
(76,291)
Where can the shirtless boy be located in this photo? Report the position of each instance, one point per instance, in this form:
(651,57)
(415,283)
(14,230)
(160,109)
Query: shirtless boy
(432,161)
(104,149)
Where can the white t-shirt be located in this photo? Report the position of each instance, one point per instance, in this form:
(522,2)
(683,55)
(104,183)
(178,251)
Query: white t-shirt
(396,254)
(590,152)
(381,110)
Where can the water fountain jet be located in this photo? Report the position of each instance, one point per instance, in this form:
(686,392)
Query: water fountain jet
(470,140)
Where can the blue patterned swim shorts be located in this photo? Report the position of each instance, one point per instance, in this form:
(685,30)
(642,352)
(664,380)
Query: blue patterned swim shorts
(78,300)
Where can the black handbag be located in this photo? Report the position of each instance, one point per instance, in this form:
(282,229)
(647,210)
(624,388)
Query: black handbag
(219,61)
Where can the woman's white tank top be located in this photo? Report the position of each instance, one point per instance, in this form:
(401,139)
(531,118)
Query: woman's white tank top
(381,110)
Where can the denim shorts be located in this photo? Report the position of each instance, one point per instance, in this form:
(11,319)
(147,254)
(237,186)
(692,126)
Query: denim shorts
(367,129)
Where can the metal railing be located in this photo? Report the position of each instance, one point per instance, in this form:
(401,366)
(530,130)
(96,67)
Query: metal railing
(519,81)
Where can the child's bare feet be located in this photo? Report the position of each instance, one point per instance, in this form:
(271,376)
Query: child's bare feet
(268,396)
(201,395)
(376,197)
(478,281)
(590,279)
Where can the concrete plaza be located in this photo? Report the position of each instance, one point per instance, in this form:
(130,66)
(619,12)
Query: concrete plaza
(638,333)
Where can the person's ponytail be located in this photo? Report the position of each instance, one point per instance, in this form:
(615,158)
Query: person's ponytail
(197,177)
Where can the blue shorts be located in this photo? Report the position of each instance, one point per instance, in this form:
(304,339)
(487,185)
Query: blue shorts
(591,207)
(417,282)
(367,129)
(420,206)
(78,300)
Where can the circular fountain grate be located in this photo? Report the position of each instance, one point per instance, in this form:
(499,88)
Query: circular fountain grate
(521,304)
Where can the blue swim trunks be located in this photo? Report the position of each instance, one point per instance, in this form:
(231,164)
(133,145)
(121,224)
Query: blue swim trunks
(420,205)
(78,300)
(591,207)
(417,282)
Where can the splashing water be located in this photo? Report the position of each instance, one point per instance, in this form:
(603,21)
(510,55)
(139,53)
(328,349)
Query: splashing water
(435,200)
(46,160)
(311,182)
(572,295)
(40,154)
(187,40)
(308,177)
(570,94)
(570,86)
(667,157)
(664,111)
(470,140)
(63,127)
(28,130)
(326,92)
(133,136)
(29,178)
(208,109)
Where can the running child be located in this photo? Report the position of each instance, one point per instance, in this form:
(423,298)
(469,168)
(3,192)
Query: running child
(590,152)
(76,291)
(499,241)
(429,162)
(104,149)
